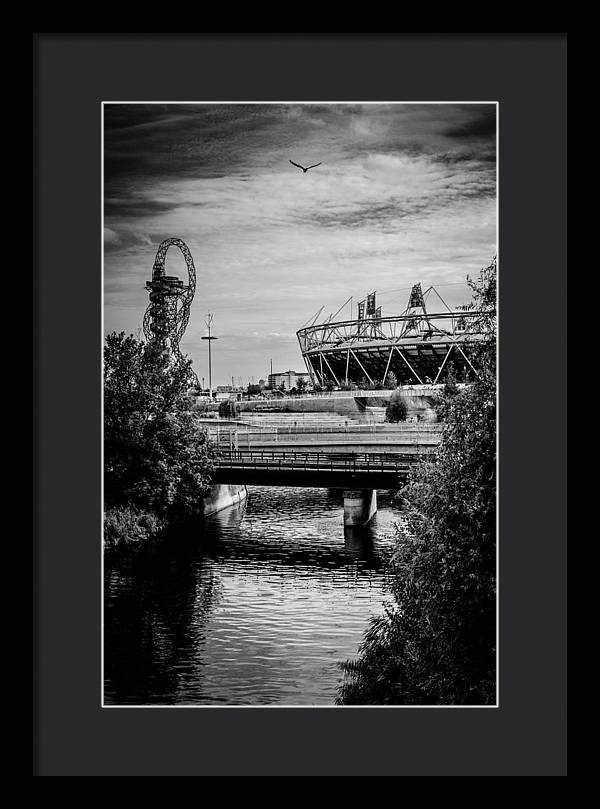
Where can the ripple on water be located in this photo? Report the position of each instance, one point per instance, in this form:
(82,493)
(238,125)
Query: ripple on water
(261,611)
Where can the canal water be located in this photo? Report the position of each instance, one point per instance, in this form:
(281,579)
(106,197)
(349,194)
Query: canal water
(259,610)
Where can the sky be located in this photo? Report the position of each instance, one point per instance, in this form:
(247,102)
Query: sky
(405,193)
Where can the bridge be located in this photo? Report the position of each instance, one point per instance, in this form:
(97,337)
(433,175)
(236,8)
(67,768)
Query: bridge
(320,450)
(359,474)
(259,467)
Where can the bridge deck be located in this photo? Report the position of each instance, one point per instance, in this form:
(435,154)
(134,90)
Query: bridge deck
(319,469)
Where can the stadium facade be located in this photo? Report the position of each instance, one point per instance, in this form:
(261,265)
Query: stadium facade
(418,346)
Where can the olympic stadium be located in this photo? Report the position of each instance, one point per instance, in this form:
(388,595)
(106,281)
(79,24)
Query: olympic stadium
(420,346)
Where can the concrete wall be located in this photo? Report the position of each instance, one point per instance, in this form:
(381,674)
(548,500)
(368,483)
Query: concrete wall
(222,496)
(344,405)
(352,405)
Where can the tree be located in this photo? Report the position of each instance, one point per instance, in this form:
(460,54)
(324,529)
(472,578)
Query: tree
(450,383)
(450,390)
(391,380)
(301,385)
(228,409)
(436,644)
(396,409)
(157,456)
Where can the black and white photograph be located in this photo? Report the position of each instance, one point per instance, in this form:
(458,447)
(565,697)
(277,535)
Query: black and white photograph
(299,404)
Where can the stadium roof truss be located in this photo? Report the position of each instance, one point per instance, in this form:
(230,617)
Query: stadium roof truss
(418,347)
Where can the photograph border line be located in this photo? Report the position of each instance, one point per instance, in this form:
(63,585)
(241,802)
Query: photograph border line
(236,706)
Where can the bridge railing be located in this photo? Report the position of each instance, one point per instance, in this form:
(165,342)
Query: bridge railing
(304,427)
(342,461)
(274,432)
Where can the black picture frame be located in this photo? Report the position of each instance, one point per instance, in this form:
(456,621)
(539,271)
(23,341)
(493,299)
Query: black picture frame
(526,74)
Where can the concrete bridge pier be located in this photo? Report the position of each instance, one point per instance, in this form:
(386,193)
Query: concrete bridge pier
(359,506)
(223,496)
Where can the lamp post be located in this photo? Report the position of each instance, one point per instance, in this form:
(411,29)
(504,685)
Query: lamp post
(210,338)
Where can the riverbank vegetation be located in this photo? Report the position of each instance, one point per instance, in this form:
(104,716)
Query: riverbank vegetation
(396,409)
(436,642)
(157,458)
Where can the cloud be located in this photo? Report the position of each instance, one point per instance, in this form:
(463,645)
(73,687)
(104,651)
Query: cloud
(401,196)
(478,122)
(124,239)
(111,237)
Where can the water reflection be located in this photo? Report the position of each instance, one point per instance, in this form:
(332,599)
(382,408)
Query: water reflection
(256,608)
(230,517)
(359,543)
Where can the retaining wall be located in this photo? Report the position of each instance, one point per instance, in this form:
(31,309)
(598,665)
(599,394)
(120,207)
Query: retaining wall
(222,496)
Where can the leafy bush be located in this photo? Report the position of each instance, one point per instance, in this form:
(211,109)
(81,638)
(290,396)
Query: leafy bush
(127,526)
(396,409)
(450,390)
(157,455)
(228,409)
(436,643)
(450,383)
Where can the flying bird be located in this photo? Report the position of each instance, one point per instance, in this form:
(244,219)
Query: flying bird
(302,167)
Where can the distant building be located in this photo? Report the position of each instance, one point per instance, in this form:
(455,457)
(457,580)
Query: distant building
(289,379)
